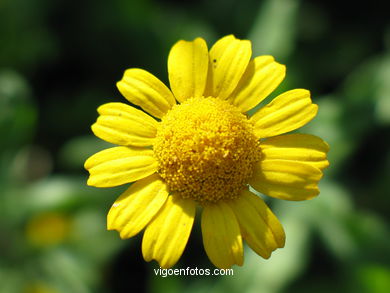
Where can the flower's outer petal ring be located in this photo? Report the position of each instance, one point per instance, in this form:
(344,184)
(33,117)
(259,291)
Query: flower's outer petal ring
(221,235)
(134,209)
(124,125)
(145,90)
(229,58)
(167,234)
(285,113)
(305,148)
(288,180)
(119,165)
(259,226)
(187,68)
(261,77)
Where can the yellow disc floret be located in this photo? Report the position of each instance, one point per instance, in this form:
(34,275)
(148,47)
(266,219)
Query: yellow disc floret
(206,149)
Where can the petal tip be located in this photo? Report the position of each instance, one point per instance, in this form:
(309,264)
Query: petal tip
(283,68)
(87,164)
(111,226)
(91,182)
(119,85)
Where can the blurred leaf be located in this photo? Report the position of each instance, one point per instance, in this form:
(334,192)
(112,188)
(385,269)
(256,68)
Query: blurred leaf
(69,272)
(17,111)
(329,214)
(274,30)
(366,93)
(327,126)
(55,193)
(371,278)
(382,107)
(25,36)
(89,227)
(172,284)
(31,163)
(77,150)
(371,237)
(11,280)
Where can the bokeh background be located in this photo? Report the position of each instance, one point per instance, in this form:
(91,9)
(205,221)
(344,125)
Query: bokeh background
(59,60)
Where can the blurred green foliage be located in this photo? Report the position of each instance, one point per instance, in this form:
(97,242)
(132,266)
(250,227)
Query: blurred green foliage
(59,60)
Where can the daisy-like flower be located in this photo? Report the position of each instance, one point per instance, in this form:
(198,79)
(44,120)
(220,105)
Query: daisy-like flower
(202,150)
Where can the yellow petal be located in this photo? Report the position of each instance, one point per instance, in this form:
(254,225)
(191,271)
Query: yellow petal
(121,124)
(166,236)
(221,235)
(288,180)
(259,226)
(187,67)
(229,58)
(134,209)
(261,77)
(147,91)
(305,148)
(120,165)
(285,113)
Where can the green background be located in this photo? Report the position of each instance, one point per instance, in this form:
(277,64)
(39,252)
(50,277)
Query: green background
(59,60)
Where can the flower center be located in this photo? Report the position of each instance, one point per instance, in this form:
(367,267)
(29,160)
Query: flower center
(206,149)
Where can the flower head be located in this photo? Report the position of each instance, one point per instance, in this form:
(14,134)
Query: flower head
(203,150)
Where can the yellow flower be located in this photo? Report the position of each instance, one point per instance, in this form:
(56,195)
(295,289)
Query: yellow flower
(47,229)
(204,151)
